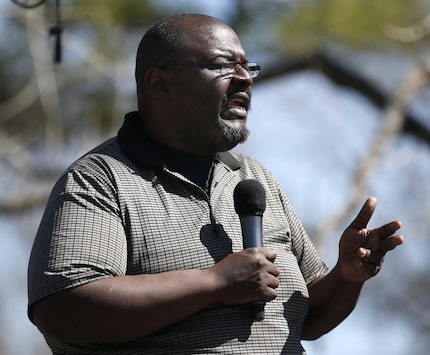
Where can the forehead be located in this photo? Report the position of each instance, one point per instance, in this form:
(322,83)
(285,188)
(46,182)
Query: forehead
(216,40)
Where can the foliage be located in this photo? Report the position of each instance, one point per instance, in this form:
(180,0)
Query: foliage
(356,23)
(128,14)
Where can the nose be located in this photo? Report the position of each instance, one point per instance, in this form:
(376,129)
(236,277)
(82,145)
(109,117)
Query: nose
(243,75)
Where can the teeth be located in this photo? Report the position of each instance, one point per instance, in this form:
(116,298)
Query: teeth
(236,102)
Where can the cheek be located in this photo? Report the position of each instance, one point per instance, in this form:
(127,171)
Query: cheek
(210,100)
(202,94)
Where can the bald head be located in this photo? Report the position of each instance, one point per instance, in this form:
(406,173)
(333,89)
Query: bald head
(170,37)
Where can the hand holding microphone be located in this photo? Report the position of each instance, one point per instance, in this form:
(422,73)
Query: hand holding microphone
(250,203)
(248,276)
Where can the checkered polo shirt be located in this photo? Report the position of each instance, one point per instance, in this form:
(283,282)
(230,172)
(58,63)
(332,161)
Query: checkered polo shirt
(120,210)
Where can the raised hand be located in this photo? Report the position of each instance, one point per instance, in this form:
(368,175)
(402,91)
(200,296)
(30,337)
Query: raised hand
(362,250)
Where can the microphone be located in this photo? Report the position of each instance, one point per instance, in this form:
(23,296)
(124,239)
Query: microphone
(250,202)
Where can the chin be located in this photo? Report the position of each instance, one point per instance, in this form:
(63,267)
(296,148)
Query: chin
(235,135)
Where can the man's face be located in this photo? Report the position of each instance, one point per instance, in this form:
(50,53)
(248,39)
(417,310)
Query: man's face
(211,109)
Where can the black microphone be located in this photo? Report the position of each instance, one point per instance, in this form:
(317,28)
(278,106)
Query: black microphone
(250,202)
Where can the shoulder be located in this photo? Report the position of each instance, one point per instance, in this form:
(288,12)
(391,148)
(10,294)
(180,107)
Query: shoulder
(248,163)
(102,169)
(106,159)
(253,169)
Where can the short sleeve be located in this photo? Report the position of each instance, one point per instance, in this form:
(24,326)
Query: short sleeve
(81,237)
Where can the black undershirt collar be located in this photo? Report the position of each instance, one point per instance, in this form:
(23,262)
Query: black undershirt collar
(146,151)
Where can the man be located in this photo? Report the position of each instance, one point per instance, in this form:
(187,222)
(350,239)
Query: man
(140,247)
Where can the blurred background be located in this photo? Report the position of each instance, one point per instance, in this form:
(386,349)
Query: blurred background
(340,112)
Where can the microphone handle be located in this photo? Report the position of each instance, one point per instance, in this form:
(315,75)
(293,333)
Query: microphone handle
(252,234)
(257,309)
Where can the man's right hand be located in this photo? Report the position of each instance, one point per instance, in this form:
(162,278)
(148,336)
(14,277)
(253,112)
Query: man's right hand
(246,276)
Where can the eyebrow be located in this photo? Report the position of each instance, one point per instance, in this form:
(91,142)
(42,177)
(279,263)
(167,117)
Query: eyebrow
(229,54)
(228,58)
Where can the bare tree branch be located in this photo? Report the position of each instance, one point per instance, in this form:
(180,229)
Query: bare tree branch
(15,154)
(19,102)
(392,125)
(45,79)
(343,76)
(408,34)
(26,200)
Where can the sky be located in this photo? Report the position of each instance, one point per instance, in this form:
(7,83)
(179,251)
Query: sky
(311,135)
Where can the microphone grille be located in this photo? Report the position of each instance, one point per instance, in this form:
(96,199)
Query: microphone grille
(249,198)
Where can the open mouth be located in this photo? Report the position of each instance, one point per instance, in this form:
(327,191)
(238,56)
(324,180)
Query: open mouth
(237,106)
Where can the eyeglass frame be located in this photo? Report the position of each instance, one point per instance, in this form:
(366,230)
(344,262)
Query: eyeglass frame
(232,66)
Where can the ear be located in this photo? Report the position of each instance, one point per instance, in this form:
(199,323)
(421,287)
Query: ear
(156,82)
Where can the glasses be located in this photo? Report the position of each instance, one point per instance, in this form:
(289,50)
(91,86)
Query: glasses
(225,69)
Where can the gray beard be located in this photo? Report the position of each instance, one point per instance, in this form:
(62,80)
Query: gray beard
(232,135)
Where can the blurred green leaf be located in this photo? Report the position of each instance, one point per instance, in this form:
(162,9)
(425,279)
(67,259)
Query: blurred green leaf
(354,23)
(128,14)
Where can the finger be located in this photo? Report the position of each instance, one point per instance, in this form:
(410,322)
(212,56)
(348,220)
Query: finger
(365,214)
(273,270)
(273,282)
(388,229)
(270,294)
(375,258)
(391,243)
(266,258)
(269,254)
(370,262)
(363,253)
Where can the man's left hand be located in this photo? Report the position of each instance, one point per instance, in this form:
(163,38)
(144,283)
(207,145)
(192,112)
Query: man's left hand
(362,250)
